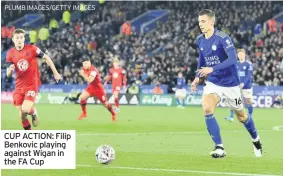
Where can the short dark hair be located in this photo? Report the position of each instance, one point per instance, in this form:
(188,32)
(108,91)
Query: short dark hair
(19,31)
(207,12)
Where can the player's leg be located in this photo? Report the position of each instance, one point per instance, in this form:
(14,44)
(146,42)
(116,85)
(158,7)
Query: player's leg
(24,119)
(116,92)
(248,94)
(29,109)
(249,124)
(18,99)
(183,96)
(101,96)
(235,101)
(177,96)
(210,100)
(83,98)
(28,106)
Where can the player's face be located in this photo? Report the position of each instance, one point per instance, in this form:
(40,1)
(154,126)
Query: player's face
(205,23)
(180,75)
(86,64)
(116,64)
(19,40)
(241,56)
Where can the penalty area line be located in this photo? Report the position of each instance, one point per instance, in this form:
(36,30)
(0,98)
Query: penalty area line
(177,170)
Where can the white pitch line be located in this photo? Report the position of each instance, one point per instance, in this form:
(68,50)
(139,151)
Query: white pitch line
(178,170)
(158,133)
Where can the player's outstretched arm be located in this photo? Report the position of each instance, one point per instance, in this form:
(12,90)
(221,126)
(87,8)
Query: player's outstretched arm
(10,70)
(108,78)
(231,60)
(50,63)
(194,84)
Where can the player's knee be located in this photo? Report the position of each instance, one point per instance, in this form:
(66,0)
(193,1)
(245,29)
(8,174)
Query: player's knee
(82,98)
(242,118)
(207,109)
(26,109)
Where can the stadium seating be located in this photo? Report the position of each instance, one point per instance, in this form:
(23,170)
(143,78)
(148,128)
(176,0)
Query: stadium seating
(156,57)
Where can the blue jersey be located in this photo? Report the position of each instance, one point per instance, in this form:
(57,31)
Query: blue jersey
(213,52)
(245,71)
(181,83)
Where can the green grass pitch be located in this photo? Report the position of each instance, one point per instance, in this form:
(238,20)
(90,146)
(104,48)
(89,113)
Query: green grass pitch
(158,141)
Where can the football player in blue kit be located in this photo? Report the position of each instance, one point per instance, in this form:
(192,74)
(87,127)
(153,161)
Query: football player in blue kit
(245,72)
(217,60)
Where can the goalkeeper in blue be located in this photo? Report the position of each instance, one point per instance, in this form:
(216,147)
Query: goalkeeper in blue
(245,72)
(217,61)
(180,91)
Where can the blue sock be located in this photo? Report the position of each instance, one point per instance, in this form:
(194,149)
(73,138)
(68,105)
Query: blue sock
(250,126)
(178,101)
(184,104)
(231,113)
(213,129)
(250,109)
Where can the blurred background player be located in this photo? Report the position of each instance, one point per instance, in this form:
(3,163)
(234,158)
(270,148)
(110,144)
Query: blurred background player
(180,90)
(22,59)
(95,89)
(74,97)
(245,72)
(118,77)
(278,102)
(217,59)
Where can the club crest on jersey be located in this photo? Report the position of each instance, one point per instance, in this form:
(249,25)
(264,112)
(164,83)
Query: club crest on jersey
(244,67)
(115,75)
(213,47)
(22,65)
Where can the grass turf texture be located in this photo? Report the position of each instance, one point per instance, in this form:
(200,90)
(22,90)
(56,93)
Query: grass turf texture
(157,141)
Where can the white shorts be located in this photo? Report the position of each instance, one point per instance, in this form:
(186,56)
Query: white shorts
(181,93)
(233,95)
(247,93)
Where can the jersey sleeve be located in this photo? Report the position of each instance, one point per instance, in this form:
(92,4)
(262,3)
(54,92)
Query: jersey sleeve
(227,43)
(93,73)
(249,74)
(9,57)
(37,51)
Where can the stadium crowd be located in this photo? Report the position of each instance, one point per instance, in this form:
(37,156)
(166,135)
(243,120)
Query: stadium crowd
(156,57)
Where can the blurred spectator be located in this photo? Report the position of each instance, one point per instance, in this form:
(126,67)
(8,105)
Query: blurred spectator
(66,17)
(126,28)
(43,34)
(53,25)
(33,36)
(157,90)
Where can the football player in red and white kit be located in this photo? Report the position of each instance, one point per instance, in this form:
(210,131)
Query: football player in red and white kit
(95,88)
(118,77)
(23,60)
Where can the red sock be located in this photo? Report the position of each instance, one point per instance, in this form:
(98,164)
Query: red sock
(110,109)
(116,102)
(26,125)
(31,111)
(83,106)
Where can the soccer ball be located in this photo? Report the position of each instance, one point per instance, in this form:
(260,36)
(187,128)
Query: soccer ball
(105,154)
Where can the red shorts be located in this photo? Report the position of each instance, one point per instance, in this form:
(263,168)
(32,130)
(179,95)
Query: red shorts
(99,93)
(21,94)
(116,89)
